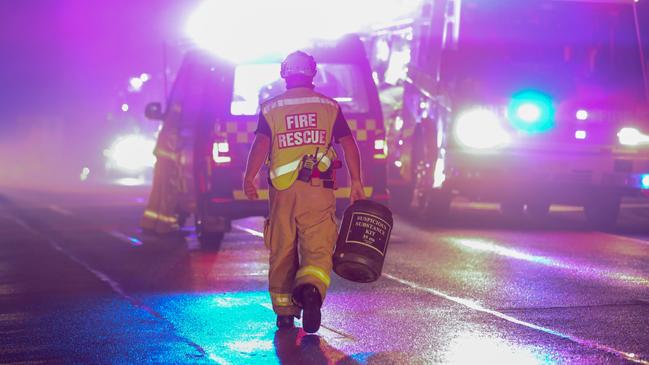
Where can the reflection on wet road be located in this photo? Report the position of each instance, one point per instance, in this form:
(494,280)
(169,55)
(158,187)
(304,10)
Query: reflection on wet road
(80,284)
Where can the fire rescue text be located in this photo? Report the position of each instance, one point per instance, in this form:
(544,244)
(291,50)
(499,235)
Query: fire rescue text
(302,131)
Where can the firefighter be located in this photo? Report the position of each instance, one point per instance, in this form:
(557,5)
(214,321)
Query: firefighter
(295,134)
(160,215)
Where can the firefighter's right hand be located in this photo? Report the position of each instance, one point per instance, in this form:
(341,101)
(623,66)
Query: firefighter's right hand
(250,189)
(357,191)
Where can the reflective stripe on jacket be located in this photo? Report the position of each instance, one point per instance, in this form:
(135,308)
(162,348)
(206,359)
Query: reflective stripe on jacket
(301,121)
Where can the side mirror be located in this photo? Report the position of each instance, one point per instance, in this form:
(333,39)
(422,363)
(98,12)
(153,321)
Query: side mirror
(153,111)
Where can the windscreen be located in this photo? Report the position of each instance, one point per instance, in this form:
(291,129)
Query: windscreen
(254,83)
(559,45)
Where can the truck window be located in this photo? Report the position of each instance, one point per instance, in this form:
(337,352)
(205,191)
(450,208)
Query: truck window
(254,83)
(562,45)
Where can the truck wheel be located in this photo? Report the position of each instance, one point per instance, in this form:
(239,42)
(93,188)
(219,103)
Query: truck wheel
(211,240)
(602,212)
(208,235)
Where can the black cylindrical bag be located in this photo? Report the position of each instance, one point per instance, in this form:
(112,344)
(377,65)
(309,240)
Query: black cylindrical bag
(363,241)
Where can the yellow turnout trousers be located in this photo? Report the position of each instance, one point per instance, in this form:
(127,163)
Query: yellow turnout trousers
(160,213)
(300,233)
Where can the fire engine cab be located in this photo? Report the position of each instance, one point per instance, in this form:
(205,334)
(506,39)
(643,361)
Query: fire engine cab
(220,105)
(524,103)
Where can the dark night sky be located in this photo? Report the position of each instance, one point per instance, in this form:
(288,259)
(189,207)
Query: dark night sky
(70,58)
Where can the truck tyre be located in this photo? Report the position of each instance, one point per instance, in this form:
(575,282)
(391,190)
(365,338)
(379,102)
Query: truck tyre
(211,240)
(602,212)
(208,238)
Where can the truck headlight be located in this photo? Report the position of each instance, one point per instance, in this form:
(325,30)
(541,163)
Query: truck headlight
(132,153)
(481,128)
(632,137)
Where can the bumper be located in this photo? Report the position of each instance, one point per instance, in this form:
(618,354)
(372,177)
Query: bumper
(561,177)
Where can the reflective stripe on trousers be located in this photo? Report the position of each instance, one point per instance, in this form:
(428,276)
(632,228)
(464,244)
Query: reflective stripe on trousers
(161,217)
(166,154)
(315,272)
(281,299)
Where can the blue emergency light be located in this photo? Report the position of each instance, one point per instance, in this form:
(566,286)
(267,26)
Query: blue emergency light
(644,181)
(531,111)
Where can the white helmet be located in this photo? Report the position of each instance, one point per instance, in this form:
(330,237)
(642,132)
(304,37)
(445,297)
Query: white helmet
(298,63)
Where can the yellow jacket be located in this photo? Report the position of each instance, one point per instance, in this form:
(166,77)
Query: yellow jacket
(301,121)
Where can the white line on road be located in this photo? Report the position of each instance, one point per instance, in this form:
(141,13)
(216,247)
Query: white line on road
(106,279)
(478,307)
(635,240)
(113,233)
(128,239)
(486,245)
(249,230)
(60,210)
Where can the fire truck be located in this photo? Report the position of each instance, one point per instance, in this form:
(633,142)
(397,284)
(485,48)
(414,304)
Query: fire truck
(522,103)
(218,103)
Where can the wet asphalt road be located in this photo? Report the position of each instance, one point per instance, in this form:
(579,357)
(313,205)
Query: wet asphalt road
(80,284)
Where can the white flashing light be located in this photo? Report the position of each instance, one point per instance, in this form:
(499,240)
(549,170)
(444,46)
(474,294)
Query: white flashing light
(529,113)
(644,181)
(632,137)
(124,107)
(582,114)
(144,77)
(398,163)
(439,175)
(131,181)
(135,84)
(481,129)
(84,174)
(580,134)
(132,153)
(398,123)
(382,50)
(246,30)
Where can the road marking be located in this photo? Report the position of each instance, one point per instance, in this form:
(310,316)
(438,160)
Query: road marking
(110,282)
(478,307)
(128,239)
(113,233)
(60,210)
(485,245)
(626,238)
(249,230)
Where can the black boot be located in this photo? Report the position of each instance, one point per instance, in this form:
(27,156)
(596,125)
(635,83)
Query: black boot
(311,303)
(285,322)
